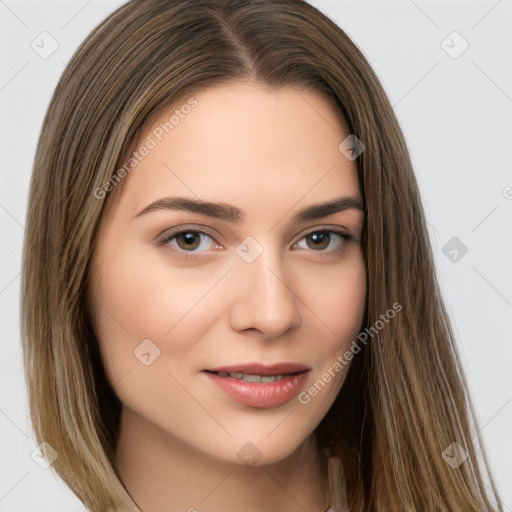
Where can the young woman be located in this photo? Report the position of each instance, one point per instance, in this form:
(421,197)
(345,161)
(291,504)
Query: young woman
(229,300)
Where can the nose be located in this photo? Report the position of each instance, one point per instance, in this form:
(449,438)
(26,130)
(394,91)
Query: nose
(264,299)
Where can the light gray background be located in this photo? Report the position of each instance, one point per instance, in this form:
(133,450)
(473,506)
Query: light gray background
(456,116)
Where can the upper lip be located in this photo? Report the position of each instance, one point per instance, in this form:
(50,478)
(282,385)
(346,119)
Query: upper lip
(261,369)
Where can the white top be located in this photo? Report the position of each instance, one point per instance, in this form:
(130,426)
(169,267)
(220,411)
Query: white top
(336,485)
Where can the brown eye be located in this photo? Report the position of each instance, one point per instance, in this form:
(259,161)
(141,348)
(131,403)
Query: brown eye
(325,240)
(188,240)
(319,240)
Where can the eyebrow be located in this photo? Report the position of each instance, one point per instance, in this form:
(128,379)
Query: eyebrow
(233,214)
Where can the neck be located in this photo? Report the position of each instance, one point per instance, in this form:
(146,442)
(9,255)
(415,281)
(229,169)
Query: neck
(162,473)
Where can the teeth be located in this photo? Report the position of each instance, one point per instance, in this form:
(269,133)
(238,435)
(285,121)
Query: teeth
(252,378)
(271,378)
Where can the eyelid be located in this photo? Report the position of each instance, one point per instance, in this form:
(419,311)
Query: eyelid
(340,230)
(343,234)
(164,237)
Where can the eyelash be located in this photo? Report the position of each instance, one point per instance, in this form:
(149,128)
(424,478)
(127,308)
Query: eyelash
(165,238)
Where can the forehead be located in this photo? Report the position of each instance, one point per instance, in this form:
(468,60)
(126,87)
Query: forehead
(241,142)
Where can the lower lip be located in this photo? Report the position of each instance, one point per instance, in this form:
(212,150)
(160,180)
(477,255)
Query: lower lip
(261,395)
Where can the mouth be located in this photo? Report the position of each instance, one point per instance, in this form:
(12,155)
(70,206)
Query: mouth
(260,386)
(246,377)
(258,369)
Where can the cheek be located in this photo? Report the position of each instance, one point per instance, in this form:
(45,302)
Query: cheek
(343,313)
(141,298)
(141,295)
(146,298)
(340,303)
(337,296)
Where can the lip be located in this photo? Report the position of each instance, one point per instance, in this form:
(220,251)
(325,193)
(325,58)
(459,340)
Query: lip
(257,394)
(262,369)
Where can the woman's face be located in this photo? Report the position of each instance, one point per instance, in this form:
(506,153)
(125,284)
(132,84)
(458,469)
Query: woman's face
(227,252)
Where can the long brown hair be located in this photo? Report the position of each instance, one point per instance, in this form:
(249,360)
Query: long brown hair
(405,397)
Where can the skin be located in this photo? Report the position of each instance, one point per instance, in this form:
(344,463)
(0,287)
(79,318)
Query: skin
(271,153)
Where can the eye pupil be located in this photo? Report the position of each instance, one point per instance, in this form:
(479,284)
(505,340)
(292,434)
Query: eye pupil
(191,240)
(320,240)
